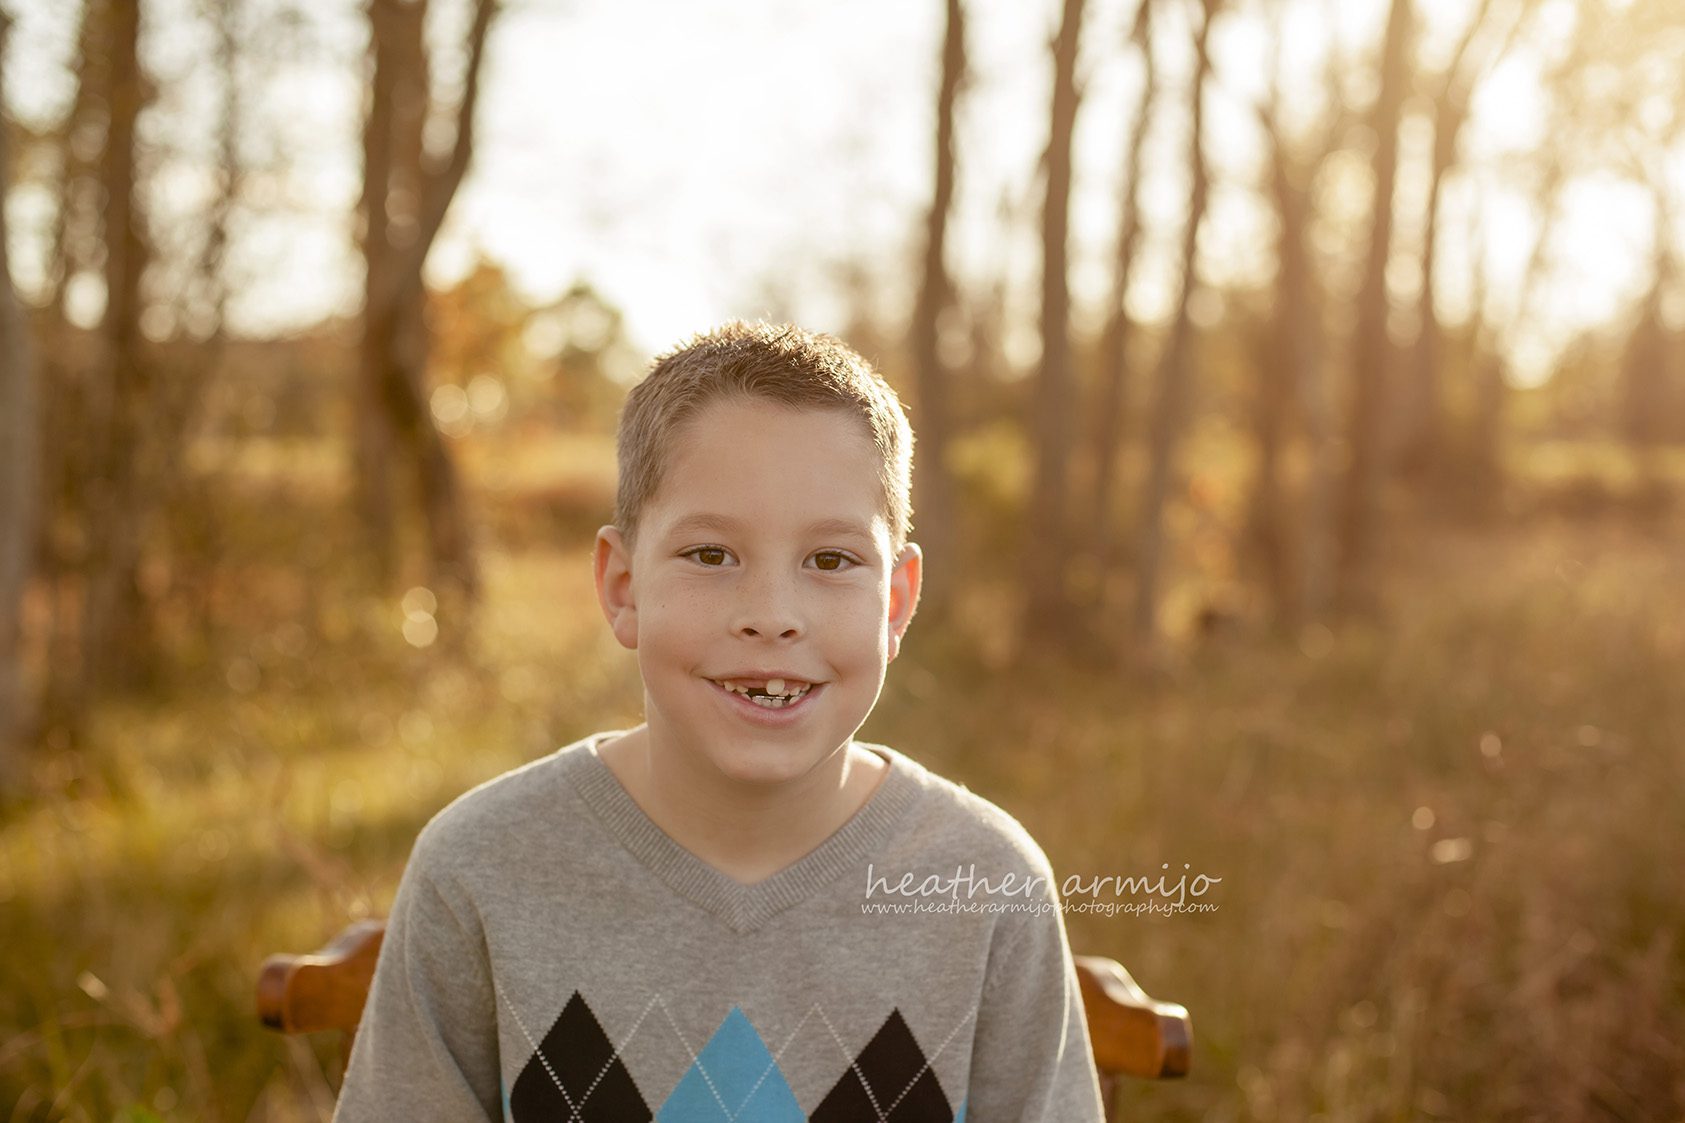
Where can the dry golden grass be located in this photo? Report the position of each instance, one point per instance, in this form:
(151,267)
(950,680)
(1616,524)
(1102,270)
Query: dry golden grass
(1450,843)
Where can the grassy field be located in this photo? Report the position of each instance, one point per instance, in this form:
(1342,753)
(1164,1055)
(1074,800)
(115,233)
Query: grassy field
(1450,840)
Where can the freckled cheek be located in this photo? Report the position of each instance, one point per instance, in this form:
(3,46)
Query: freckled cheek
(860,630)
(680,625)
(681,609)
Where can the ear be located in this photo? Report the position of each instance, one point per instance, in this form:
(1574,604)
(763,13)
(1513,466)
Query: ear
(612,564)
(905,581)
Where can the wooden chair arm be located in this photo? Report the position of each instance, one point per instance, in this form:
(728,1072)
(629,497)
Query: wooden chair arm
(1132,1033)
(307,993)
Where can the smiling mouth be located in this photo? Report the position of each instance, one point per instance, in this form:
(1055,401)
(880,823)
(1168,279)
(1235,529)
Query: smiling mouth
(768,700)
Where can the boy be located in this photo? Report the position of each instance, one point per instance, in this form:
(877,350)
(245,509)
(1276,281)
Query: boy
(735,911)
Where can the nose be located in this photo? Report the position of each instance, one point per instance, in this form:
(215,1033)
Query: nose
(768,606)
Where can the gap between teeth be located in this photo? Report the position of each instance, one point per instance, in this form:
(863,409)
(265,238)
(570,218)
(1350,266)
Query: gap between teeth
(774,687)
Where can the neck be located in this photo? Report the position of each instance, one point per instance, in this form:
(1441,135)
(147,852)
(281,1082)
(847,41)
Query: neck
(748,833)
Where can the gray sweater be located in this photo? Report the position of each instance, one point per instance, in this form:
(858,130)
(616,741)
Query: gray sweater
(553,955)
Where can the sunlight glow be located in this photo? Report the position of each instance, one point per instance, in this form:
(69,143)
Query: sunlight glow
(691,186)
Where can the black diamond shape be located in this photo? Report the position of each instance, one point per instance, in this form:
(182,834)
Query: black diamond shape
(890,1062)
(577,1049)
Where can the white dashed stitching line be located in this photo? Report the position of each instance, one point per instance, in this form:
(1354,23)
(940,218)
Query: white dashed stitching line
(767,1071)
(930,1060)
(694,1059)
(573,1108)
(618,1051)
(853,1065)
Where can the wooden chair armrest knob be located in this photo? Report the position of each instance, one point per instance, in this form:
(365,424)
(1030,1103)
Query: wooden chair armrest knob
(1131,1032)
(326,990)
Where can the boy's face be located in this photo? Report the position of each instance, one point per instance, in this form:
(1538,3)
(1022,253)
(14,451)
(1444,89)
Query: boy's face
(760,589)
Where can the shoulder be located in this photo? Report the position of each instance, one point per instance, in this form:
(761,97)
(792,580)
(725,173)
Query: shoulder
(954,822)
(489,820)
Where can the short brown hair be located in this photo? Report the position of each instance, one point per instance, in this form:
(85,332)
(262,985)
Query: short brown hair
(777,362)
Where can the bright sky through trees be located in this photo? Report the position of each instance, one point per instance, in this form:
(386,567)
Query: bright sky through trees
(735,158)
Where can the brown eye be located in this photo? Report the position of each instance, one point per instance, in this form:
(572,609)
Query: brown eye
(711,556)
(834,555)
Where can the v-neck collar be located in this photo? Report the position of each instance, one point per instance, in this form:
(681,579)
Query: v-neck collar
(743,908)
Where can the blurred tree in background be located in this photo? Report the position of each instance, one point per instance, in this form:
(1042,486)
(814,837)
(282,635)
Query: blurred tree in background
(19,486)
(407,189)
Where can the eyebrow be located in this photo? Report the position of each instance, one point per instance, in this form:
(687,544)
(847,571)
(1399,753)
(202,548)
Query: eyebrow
(846,527)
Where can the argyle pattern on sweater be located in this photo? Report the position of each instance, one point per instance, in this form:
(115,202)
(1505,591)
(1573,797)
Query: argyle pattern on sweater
(577,1073)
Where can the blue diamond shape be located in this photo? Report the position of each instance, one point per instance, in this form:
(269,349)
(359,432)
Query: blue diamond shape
(744,1076)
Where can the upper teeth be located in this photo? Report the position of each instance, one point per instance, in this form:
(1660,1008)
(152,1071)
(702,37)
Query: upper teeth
(773,686)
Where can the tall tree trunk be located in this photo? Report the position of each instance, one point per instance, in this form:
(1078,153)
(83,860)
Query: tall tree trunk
(1645,378)
(1283,373)
(1294,547)
(1047,609)
(70,391)
(407,193)
(1315,540)
(114,638)
(20,480)
(937,508)
(1175,375)
(1421,434)
(195,544)
(1372,347)
(1120,328)
(1491,397)
(374,435)
(1648,373)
